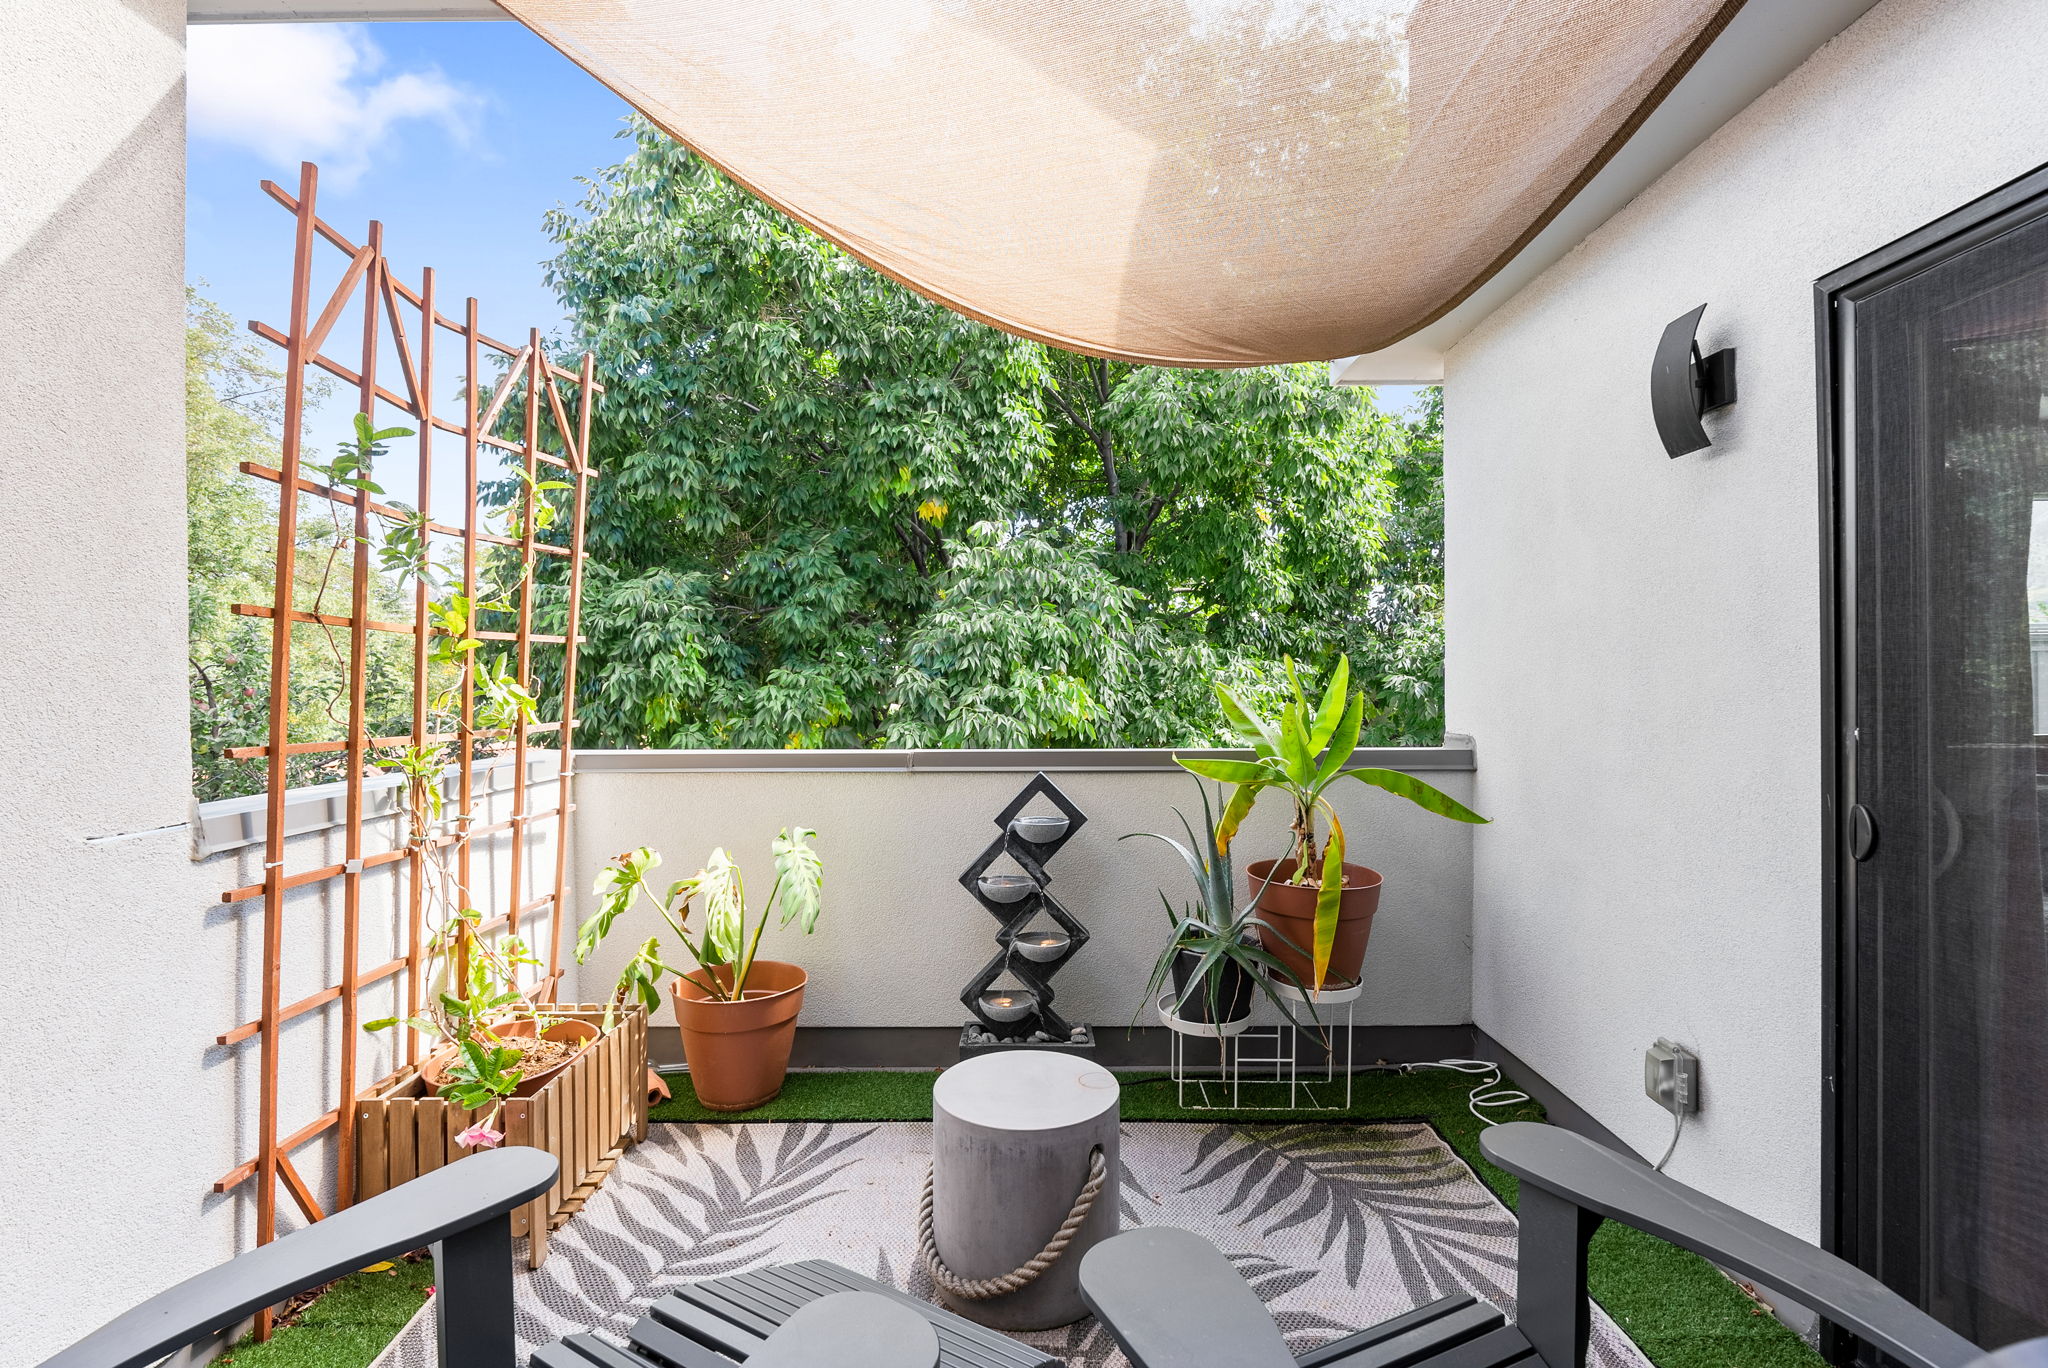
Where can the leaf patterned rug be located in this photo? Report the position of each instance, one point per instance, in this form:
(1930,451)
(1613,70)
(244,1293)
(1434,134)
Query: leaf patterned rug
(1336,1226)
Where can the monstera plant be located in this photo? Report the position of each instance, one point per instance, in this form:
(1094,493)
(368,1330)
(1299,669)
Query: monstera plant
(737,1011)
(1313,897)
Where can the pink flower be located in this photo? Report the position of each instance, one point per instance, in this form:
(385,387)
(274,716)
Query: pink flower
(480,1136)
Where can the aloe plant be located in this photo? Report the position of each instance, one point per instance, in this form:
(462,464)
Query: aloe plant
(725,940)
(1302,754)
(1213,926)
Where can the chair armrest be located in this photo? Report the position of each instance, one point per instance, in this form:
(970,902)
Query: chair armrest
(851,1330)
(2031,1353)
(1612,1186)
(446,1208)
(1170,1299)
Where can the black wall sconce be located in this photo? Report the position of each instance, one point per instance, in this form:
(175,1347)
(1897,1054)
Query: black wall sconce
(1685,385)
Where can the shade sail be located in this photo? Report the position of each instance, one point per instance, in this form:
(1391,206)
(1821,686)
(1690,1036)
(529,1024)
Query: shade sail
(1187,182)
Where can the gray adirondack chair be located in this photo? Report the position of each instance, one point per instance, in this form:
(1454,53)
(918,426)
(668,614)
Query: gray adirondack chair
(1172,1300)
(464,1211)
(742,1317)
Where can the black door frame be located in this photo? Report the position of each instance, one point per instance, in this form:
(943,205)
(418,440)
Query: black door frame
(1836,295)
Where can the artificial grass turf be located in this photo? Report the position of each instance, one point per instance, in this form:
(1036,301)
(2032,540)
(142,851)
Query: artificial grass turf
(1678,1308)
(347,1326)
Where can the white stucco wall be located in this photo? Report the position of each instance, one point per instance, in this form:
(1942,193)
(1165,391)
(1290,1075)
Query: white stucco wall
(1634,641)
(899,936)
(117,1109)
(111,1124)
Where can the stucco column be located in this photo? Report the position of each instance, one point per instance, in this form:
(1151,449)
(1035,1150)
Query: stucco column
(119,978)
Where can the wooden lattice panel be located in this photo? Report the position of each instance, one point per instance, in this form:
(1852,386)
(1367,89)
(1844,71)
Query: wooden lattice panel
(369,290)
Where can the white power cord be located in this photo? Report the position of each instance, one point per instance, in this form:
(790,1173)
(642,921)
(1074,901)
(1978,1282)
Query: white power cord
(1487,1093)
(1672,1148)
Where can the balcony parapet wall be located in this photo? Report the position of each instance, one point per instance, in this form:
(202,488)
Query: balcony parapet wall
(898,937)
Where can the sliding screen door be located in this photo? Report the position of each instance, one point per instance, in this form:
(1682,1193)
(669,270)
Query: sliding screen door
(1938,360)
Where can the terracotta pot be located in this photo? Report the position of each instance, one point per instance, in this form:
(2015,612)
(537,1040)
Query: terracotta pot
(1291,910)
(738,1052)
(434,1068)
(580,1032)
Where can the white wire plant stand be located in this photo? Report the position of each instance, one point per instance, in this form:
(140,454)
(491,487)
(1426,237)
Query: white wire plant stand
(1259,1065)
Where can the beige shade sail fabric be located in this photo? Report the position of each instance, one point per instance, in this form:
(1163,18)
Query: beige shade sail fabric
(1183,182)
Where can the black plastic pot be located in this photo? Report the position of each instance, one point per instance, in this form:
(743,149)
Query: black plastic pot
(1231,990)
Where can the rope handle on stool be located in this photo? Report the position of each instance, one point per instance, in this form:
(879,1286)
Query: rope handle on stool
(1026,1273)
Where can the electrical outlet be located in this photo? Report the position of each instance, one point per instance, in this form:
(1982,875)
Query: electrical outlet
(1671,1077)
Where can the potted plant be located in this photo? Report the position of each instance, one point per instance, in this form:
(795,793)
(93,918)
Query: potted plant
(1216,956)
(495,1040)
(737,1011)
(1312,895)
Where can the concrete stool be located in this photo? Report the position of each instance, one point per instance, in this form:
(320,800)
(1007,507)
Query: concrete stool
(1014,1136)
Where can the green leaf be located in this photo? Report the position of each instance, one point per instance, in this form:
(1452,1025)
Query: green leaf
(1229,771)
(725,906)
(1425,796)
(1329,898)
(1247,723)
(1295,752)
(1294,683)
(1342,742)
(1331,710)
(1188,856)
(799,876)
(1203,977)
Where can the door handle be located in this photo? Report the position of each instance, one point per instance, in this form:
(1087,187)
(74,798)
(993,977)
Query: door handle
(1862,833)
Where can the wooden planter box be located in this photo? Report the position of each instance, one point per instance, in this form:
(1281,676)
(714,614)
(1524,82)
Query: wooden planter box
(585,1116)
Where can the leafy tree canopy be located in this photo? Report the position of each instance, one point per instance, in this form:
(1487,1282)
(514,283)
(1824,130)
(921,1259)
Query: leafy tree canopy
(234,409)
(836,514)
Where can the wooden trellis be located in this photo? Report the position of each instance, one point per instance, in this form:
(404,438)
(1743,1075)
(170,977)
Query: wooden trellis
(367,283)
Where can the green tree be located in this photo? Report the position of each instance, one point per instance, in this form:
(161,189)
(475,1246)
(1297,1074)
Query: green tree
(836,514)
(1397,640)
(233,403)
(234,406)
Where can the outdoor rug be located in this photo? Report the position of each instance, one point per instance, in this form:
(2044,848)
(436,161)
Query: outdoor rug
(1336,1226)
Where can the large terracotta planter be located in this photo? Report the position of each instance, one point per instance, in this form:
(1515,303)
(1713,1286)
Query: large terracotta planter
(1291,910)
(738,1052)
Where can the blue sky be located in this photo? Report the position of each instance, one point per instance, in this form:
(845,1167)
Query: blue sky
(461,136)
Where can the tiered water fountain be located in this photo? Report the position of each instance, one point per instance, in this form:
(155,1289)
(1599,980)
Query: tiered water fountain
(1011,997)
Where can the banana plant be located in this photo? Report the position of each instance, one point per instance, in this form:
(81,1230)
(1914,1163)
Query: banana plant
(1302,754)
(725,940)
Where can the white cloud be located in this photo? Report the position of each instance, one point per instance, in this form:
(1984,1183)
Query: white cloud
(312,92)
